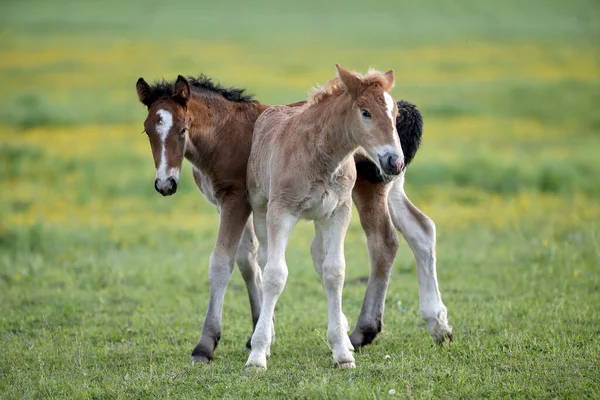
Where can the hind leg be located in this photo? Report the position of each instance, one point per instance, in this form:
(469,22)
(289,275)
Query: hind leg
(247,261)
(419,231)
(382,242)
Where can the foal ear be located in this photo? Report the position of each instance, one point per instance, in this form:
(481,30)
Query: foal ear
(349,79)
(181,91)
(144,92)
(389,76)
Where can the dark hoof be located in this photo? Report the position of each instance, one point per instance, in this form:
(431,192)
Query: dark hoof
(199,359)
(364,335)
(201,354)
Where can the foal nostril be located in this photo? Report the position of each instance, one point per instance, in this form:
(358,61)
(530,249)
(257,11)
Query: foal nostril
(391,163)
(392,160)
(156,185)
(173,185)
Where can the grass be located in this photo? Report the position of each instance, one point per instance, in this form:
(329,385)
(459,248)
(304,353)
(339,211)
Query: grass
(103,283)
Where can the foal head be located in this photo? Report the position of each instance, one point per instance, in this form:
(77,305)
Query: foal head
(373,118)
(166,126)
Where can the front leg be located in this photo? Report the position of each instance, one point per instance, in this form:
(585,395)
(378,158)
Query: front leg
(259,218)
(419,231)
(332,233)
(234,212)
(382,242)
(279,227)
(318,256)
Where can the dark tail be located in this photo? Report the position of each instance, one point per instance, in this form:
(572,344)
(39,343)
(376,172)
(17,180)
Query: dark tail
(409,125)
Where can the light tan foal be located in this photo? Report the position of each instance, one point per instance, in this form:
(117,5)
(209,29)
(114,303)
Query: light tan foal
(302,165)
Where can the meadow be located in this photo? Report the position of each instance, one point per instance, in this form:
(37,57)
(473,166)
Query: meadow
(104,284)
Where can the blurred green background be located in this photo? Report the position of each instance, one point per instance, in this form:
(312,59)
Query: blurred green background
(103,283)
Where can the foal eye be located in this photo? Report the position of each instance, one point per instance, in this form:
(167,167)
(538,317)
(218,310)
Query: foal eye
(365,113)
(183,131)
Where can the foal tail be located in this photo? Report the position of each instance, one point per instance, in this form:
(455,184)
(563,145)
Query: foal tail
(409,124)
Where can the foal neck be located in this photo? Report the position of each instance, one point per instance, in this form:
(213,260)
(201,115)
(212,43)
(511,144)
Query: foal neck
(335,141)
(217,125)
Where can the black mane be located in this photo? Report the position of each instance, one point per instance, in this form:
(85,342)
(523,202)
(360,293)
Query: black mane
(164,88)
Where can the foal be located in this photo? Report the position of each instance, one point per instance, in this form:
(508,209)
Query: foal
(302,166)
(212,127)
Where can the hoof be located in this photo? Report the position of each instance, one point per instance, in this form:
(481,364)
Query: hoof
(365,334)
(201,354)
(443,335)
(256,361)
(254,368)
(439,329)
(256,365)
(348,364)
(200,359)
(343,359)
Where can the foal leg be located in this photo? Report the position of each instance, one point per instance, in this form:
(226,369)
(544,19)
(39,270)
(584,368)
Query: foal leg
(419,231)
(318,256)
(317,251)
(247,261)
(259,218)
(334,266)
(382,242)
(260,228)
(234,212)
(280,225)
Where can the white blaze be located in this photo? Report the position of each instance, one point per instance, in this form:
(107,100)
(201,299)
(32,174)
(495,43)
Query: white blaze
(381,151)
(163,128)
(165,124)
(389,108)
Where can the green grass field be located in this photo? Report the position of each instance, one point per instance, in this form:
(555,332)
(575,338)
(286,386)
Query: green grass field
(103,283)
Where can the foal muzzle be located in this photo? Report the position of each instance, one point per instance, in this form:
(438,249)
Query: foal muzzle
(166,187)
(391,163)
